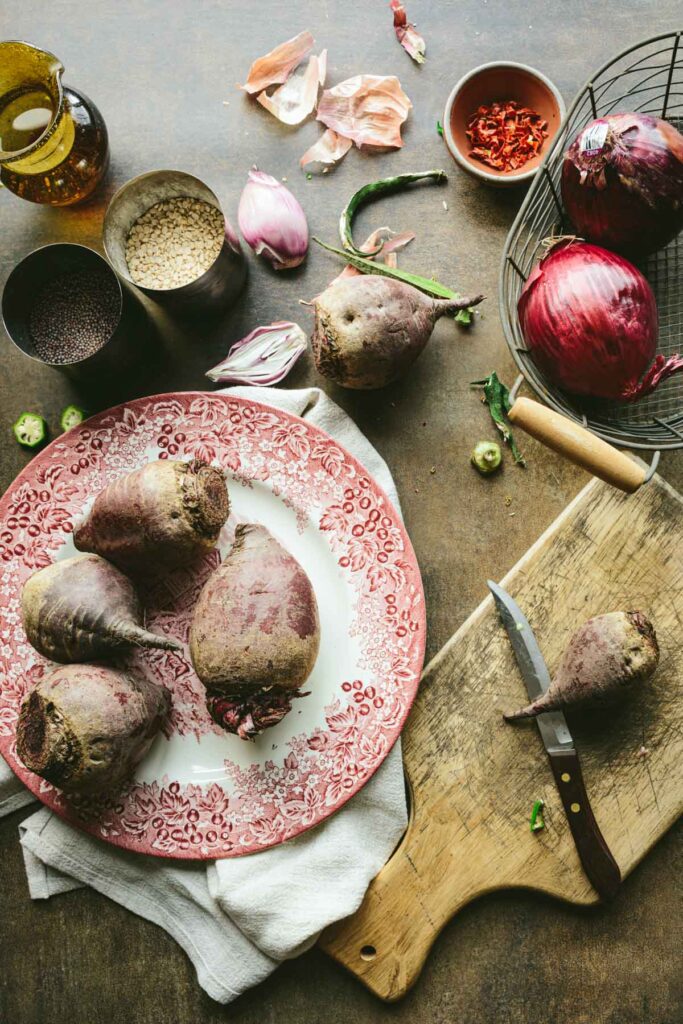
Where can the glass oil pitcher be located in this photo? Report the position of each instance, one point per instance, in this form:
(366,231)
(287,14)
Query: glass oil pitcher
(53,142)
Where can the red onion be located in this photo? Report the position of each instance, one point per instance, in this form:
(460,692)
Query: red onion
(622,183)
(589,319)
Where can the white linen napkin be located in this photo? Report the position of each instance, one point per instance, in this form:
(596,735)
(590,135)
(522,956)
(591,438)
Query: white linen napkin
(238,918)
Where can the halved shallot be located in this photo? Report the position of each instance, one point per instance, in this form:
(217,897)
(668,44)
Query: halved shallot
(264,357)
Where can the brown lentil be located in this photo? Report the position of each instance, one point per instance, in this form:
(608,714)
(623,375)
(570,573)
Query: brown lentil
(74,315)
(174,242)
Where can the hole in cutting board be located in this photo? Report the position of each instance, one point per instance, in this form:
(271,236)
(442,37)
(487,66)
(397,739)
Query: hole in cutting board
(368,953)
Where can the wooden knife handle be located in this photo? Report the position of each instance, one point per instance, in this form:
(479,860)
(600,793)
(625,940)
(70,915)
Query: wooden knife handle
(600,866)
(577,444)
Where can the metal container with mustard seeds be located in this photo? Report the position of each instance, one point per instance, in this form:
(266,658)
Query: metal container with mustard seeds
(214,289)
(123,337)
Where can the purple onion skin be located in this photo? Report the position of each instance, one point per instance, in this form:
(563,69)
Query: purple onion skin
(629,195)
(589,319)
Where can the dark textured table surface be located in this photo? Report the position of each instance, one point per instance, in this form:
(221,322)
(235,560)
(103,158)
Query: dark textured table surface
(163,75)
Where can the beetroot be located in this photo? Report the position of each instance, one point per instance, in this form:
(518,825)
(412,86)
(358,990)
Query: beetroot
(163,514)
(370,330)
(85,727)
(255,633)
(605,658)
(83,608)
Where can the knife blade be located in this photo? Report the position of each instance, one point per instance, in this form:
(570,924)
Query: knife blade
(600,866)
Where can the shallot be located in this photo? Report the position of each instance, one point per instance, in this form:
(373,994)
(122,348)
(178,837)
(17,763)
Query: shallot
(272,221)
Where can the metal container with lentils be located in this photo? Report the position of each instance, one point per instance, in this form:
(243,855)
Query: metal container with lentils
(166,233)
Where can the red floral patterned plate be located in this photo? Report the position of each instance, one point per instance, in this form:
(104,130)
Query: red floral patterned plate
(201,793)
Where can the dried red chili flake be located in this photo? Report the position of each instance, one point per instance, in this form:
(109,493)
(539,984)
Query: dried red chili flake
(505,135)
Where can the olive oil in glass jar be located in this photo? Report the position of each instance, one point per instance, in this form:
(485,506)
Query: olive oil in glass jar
(53,142)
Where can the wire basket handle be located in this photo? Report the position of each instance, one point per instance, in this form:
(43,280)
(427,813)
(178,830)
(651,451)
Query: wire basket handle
(578,445)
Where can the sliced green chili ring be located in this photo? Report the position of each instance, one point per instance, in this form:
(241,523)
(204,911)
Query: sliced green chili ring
(372,191)
(536,822)
(486,456)
(30,430)
(497,397)
(423,284)
(72,416)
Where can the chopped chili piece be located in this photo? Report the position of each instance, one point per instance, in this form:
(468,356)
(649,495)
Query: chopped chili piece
(505,135)
(536,822)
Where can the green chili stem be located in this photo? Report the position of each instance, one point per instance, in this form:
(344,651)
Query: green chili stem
(424,284)
(372,191)
(497,397)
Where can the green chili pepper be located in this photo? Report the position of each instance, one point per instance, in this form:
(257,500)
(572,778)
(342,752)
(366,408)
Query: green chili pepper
(536,822)
(497,397)
(424,284)
(30,430)
(371,191)
(439,128)
(72,416)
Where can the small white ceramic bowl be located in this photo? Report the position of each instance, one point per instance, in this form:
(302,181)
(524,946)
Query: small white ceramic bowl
(500,81)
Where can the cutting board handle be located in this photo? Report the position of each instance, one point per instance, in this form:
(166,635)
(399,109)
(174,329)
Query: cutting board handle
(386,942)
(577,444)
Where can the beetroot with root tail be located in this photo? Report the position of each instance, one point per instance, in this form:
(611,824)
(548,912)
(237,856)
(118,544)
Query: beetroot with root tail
(82,609)
(605,659)
(85,727)
(159,516)
(370,330)
(255,633)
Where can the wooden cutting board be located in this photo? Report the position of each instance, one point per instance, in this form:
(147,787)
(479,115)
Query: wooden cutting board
(473,778)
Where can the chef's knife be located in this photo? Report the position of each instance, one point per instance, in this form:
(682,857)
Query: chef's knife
(598,863)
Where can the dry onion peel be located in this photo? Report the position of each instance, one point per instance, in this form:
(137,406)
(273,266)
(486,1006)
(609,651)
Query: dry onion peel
(275,67)
(368,109)
(326,152)
(264,357)
(383,243)
(295,100)
(372,191)
(407,35)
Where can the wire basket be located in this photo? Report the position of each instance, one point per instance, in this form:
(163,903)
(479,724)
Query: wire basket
(648,79)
